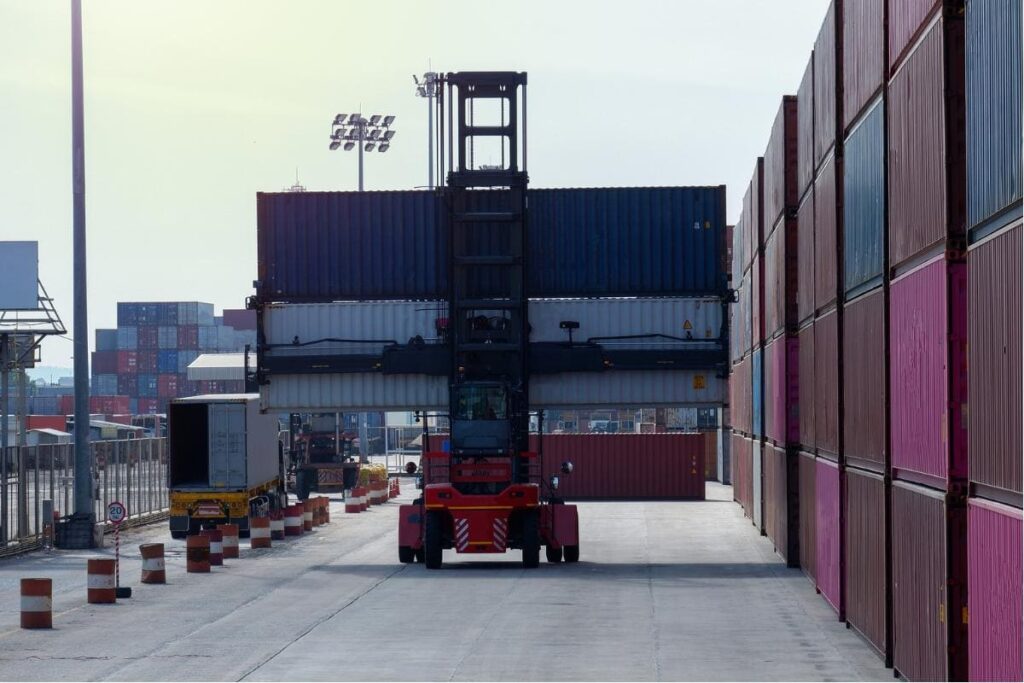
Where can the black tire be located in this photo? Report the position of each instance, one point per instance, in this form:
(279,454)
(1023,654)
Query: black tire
(432,542)
(554,555)
(302,484)
(420,555)
(406,555)
(531,540)
(572,553)
(179,534)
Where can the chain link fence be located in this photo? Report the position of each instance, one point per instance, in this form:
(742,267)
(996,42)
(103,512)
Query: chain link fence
(132,471)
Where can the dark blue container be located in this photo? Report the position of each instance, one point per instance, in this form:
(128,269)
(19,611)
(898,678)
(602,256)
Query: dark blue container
(994,140)
(757,393)
(127,314)
(148,387)
(316,246)
(864,203)
(167,362)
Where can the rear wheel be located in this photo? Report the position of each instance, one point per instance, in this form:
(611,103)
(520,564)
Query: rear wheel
(432,540)
(179,534)
(554,555)
(405,554)
(531,541)
(572,553)
(419,555)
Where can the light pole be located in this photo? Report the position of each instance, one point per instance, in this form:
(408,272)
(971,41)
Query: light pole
(367,134)
(428,89)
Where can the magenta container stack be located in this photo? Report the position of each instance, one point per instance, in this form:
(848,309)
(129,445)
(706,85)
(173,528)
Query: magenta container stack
(880,446)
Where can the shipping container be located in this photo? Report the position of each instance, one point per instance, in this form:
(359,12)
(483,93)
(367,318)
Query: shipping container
(994,348)
(805,258)
(226,339)
(392,245)
(45,405)
(864,380)
(104,384)
(127,314)
(741,452)
(46,421)
(826,231)
(739,326)
(188,337)
(167,337)
(167,385)
(208,339)
(864,202)
(757,393)
(104,362)
(127,362)
(864,63)
(781,263)
(808,409)
(147,361)
(147,386)
(827,64)
(240,318)
(128,384)
(929,584)
(805,129)
(928,373)
(757,483)
(147,337)
(127,338)
(194,313)
(993,110)
(781,502)
(994,571)
(757,301)
(168,313)
(865,542)
(108,405)
(106,340)
(828,527)
(739,396)
(808,514)
(780,182)
(185,357)
(827,384)
(782,391)
(167,361)
(926,144)
(753,209)
(906,19)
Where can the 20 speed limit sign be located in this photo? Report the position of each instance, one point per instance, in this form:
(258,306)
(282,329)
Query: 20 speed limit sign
(116,512)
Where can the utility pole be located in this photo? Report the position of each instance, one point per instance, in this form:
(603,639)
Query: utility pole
(427,89)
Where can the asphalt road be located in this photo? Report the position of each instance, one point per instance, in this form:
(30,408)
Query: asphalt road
(663,591)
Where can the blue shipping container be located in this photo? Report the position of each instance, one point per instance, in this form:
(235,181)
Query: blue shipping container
(583,242)
(167,361)
(127,314)
(757,393)
(994,138)
(148,386)
(208,337)
(127,338)
(167,337)
(185,357)
(104,384)
(864,202)
(106,340)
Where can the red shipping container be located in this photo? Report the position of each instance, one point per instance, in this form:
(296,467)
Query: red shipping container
(782,391)
(781,262)
(805,129)
(104,362)
(826,383)
(827,506)
(743,477)
(805,258)
(757,302)
(58,422)
(780,185)
(753,207)
(66,405)
(127,362)
(906,19)
(826,74)
(149,406)
(188,336)
(148,337)
(781,507)
(928,373)
(994,395)
(826,275)
(994,570)
(865,533)
(865,374)
(864,64)
(807,408)
(109,405)
(926,165)
(929,584)
(167,386)
(808,514)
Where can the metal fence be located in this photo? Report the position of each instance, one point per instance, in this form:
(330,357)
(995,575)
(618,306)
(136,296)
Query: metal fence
(132,471)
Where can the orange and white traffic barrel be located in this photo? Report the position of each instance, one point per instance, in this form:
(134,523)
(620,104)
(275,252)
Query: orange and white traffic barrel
(364,498)
(153,570)
(307,514)
(293,520)
(197,554)
(352,501)
(229,532)
(37,603)
(327,510)
(216,546)
(277,525)
(259,532)
(102,588)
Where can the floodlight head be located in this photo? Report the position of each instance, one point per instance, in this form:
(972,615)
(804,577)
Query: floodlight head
(335,145)
(349,146)
(339,119)
(354,118)
(388,134)
(388,120)
(338,134)
(372,135)
(383,147)
(368,147)
(374,119)
(421,91)
(353,134)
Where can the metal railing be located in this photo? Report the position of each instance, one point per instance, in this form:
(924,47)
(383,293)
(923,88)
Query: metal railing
(132,471)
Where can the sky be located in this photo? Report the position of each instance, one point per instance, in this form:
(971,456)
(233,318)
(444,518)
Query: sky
(193,106)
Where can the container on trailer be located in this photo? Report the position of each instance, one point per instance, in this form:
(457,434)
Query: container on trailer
(928,373)
(828,527)
(805,258)
(781,506)
(808,514)
(864,65)
(929,583)
(826,276)
(104,361)
(780,165)
(757,393)
(805,129)
(926,143)
(827,384)
(782,391)
(127,338)
(993,112)
(808,409)
(864,380)
(994,589)
(826,72)
(167,361)
(994,358)
(106,340)
(757,483)
(864,202)
(865,539)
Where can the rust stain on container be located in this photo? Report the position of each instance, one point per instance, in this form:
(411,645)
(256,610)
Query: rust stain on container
(780,185)
(863,55)
(808,516)
(826,277)
(865,528)
(827,383)
(805,258)
(864,379)
(825,72)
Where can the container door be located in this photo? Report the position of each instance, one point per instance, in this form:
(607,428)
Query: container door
(756,477)
(227,445)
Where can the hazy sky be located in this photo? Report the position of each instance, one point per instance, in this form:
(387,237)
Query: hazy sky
(191,107)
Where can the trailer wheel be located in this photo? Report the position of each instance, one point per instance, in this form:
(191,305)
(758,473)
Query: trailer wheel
(531,541)
(179,534)
(432,540)
(554,555)
(406,554)
(420,557)
(572,553)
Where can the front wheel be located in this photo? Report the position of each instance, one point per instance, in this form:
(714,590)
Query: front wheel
(432,547)
(531,541)
(572,553)
(554,555)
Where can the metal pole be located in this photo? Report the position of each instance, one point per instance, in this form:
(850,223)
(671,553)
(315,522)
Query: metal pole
(430,130)
(22,448)
(361,127)
(4,379)
(83,485)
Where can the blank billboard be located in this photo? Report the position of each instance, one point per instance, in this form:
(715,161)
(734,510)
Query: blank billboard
(19,274)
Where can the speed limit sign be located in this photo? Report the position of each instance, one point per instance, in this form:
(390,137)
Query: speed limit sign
(116,512)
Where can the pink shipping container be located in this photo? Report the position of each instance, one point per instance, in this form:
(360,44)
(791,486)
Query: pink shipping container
(906,19)
(626,466)
(826,383)
(808,515)
(805,129)
(805,258)
(926,165)
(782,391)
(826,275)
(864,64)
(781,507)
(148,337)
(757,302)
(780,184)
(127,362)
(808,409)
(826,73)
(928,373)
(240,318)
(829,529)
(994,570)
(104,362)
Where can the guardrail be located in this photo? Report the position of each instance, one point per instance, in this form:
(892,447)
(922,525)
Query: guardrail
(132,471)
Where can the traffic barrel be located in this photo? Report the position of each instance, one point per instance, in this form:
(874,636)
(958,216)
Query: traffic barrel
(37,603)
(153,563)
(364,498)
(307,514)
(197,554)
(277,525)
(327,510)
(352,501)
(259,532)
(229,532)
(293,520)
(102,589)
(216,546)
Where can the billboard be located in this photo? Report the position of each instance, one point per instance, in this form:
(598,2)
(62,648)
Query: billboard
(19,275)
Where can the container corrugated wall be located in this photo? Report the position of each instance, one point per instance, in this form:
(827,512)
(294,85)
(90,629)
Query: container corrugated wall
(782,391)
(781,512)
(825,72)
(758,225)
(780,190)
(826,383)
(805,258)
(808,515)
(863,55)
(627,387)
(826,274)
(757,483)
(994,587)
(906,17)
(994,333)
(864,539)
(741,484)
(805,129)
(829,532)
(757,392)
(993,84)
(757,302)
(927,341)
(864,201)
(864,380)
(808,408)
(929,629)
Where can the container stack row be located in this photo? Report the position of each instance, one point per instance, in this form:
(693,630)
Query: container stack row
(890,464)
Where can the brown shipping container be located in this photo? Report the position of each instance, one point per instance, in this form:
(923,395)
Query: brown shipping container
(710,456)
(757,302)
(929,580)
(864,537)
(805,258)
(927,190)
(863,55)
(808,516)
(826,276)
(825,93)
(994,348)
(807,408)
(864,380)
(780,187)
(805,129)
(781,262)
(781,508)
(742,491)
(756,215)
(826,384)
(906,18)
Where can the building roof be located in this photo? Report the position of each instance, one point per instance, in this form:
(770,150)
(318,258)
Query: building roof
(217,367)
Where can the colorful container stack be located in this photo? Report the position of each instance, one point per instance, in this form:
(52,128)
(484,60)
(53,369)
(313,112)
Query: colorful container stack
(906,334)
